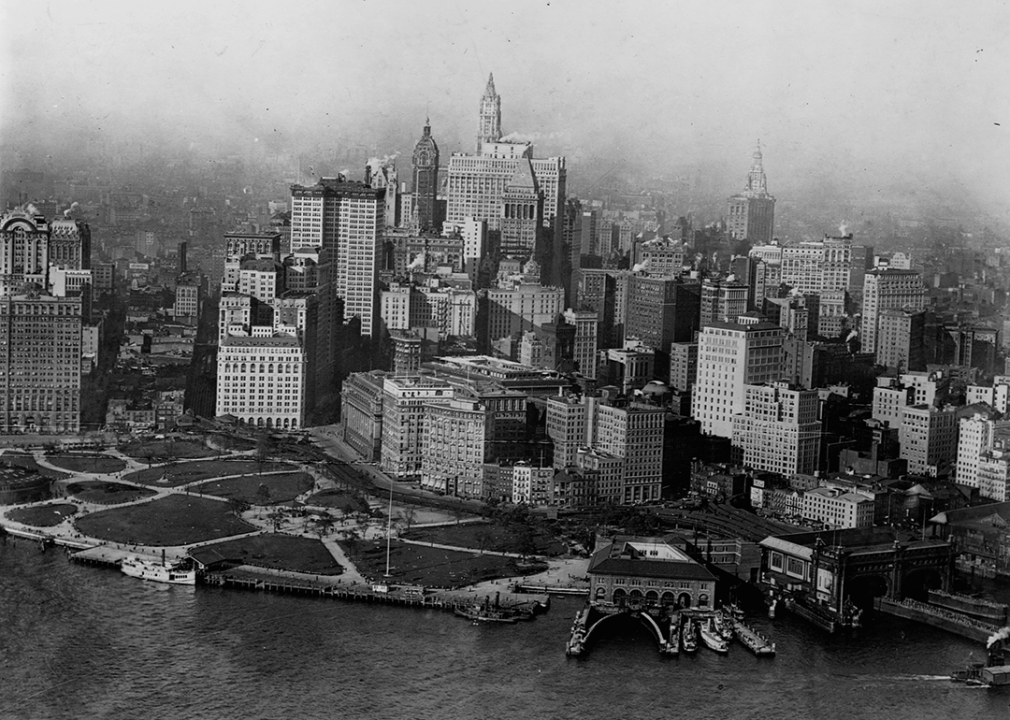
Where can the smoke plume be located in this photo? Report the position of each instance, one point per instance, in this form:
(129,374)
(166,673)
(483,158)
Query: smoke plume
(639,267)
(69,210)
(417,263)
(999,635)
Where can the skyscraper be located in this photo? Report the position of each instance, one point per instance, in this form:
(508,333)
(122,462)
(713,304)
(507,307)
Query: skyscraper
(426,180)
(730,356)
(521,212)
(887,290)
(751,214)
(489,126)
(476,183)
(343,221)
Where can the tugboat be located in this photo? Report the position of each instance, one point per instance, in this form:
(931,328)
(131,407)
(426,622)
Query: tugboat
(491,612)
(992,672)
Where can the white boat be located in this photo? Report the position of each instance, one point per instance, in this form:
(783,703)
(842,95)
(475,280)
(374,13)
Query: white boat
(688,636)
(710,636)
(166,572)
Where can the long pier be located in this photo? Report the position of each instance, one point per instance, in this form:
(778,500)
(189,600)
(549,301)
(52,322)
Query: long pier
(447,600)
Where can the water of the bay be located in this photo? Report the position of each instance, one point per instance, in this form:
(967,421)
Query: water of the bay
(85,642)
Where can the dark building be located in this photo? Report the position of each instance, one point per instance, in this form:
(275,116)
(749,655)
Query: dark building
(425,188)
(661,311)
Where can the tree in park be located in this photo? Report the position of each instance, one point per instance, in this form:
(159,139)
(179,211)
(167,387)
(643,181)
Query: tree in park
(483,536)
(409,515)
(277,518)
(322,524)
(263,494)
(238,505)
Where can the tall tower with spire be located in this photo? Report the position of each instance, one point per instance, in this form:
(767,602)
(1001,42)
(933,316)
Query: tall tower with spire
(425,165)
(751,213)
(489,129)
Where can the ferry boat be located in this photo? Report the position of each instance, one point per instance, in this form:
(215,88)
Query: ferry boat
(145,569)
(711,638)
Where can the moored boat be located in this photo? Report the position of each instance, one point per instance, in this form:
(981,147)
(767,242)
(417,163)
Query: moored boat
(710,636)
(174,573)
(689,636)
(482,613)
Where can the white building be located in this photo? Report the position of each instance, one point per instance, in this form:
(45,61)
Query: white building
(837,509)
(531,485)
(779,431)
(730,356)
(887,290)
(261,381)
(928,438)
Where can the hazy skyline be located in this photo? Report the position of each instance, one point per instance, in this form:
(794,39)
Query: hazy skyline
(864,92)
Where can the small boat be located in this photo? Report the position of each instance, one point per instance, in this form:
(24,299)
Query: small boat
(688,636)
(174,573)
(724,626)
(710,636)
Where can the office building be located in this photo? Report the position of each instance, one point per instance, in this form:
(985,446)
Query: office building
(730,356)
(40,363)
(587,342)
(901,342)
(778,431)
(425,186)
(261,381)
(928,437)
(751,213)
(887,290)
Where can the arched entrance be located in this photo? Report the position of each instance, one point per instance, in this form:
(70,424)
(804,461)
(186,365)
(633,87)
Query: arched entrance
(917,583)
(668,599)
(863,590)
(684,600)
(619,596)
(652,598)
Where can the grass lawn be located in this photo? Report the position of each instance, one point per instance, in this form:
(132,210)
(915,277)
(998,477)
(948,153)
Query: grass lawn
(338,499)
(87,463)
(27,461)
(432,567)
(183,473)
(107,493)
(161,450)
(281,552)
(283,487)
(501,538)
(172,520)
(43,515)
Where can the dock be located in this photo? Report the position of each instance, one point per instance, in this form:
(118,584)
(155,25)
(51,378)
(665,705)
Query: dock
(753,640)
(247,578)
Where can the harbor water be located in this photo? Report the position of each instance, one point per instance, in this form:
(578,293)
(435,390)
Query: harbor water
(85,642)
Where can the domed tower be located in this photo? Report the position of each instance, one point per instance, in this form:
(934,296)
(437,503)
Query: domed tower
(425,165)
(489,129)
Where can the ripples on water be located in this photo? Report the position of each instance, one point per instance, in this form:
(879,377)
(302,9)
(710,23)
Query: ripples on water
(83,642)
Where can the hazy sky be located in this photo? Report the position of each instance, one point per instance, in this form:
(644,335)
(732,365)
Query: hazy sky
(881,90)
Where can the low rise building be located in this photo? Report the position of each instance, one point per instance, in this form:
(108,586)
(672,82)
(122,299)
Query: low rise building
(648,572)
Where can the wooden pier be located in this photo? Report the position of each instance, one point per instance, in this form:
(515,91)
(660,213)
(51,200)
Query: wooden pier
(325,587)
